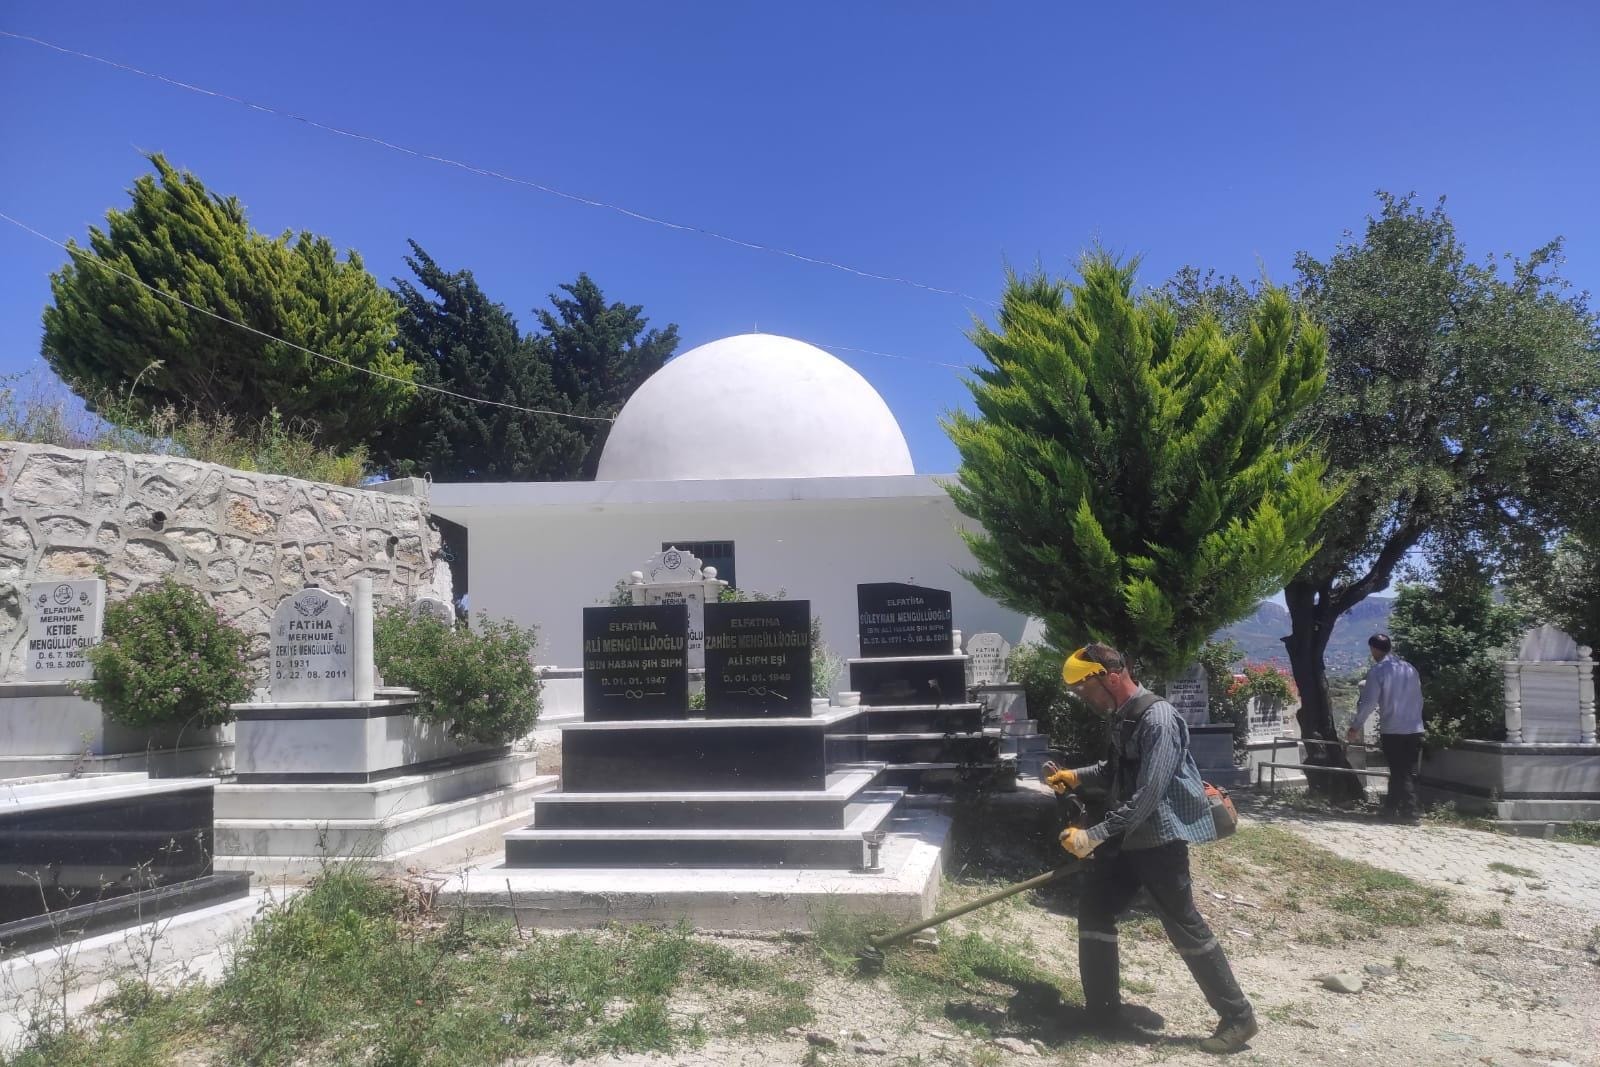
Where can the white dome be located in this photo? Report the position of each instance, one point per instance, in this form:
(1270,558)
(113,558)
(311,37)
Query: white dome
(754,406)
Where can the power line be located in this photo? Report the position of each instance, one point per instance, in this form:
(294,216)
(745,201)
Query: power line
(91,258)
(84,256)
(490,173)
(890,355)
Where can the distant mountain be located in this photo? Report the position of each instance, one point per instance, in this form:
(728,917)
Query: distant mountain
(1260,636)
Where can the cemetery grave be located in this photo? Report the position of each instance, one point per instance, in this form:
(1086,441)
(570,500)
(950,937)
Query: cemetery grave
(51,730)
(330,767)
(1005,703)
(85,852)
(764,776)
(911,681)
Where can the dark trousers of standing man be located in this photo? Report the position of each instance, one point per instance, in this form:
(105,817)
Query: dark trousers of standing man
(1111,883)
(1403,753)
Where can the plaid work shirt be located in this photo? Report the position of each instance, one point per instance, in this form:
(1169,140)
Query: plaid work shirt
(1165,800)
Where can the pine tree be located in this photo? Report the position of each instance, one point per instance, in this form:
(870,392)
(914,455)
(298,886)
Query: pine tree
(1134,480)
(600,353)
(104,332)
(588,359)
(470,345)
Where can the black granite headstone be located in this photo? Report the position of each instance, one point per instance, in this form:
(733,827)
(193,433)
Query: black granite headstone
(897,619)
(758,659)
(635,663)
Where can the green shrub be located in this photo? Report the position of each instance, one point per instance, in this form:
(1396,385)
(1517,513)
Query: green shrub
(477,682)
(44,413)
(1073,726)
(168,658)
(1456,635)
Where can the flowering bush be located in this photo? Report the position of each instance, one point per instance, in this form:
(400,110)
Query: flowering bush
(168,658)
(1266,682)
(1230,693)
(477,682)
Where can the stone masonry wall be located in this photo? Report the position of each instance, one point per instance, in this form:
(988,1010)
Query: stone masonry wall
(245,540)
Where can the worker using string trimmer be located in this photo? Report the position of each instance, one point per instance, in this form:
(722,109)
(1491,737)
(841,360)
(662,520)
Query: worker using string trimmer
(1156,806)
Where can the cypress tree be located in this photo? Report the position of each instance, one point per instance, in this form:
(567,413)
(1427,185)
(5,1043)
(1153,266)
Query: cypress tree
(104,332)
(1135,481)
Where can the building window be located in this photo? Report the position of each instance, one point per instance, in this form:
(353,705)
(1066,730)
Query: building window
(718,554)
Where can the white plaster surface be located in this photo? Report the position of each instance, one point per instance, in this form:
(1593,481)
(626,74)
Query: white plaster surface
(815,538)
(754,406)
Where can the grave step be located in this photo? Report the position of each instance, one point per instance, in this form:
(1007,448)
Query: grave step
(930,748)
(921,718)
(910,680)
(190,761)
(380,838)
(1024,728)
(840,849)
(943,777)
(705,754)
(831,808)
(373,800)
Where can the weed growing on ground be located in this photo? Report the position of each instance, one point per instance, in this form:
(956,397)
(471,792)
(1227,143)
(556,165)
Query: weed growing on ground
(351,972)
(1357,890)
(1506,868)
(1580,833)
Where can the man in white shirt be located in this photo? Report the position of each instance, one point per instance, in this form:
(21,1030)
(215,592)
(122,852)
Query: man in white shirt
(1395,690)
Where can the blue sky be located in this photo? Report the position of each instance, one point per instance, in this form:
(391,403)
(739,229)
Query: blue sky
(938,142)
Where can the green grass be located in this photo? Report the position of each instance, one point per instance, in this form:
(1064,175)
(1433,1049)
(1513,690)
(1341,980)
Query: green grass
(345,973)
(981,978)
(1357,890)
(1580,833)
(1506,868)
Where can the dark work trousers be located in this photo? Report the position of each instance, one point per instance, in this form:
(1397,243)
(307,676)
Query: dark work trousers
(1402,752)
(1110,885)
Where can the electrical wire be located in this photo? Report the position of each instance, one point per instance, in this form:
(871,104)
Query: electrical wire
(88,257)
(490,173)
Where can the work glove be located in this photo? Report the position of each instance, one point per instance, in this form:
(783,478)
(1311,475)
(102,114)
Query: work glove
(1078,842)
(1062,781)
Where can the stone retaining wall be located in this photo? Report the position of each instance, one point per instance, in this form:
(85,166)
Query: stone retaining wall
(245,540)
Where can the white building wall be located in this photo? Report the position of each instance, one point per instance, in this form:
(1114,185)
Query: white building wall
(541,565)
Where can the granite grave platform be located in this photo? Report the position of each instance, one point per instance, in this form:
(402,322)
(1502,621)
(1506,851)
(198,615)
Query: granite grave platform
(85,855)
(915,716)
(764,776)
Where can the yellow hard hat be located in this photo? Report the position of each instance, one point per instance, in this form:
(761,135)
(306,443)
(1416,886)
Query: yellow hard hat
(1079,667)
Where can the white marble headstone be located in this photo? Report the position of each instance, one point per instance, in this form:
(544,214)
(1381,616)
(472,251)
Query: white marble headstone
(988,653)
(1190,696)
(675,577)
(313,648)
(1547,644)
(64,619)
(432,607)
(673,565)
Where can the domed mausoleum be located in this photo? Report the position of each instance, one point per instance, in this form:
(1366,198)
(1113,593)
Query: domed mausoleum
(754,406)
(763,456)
